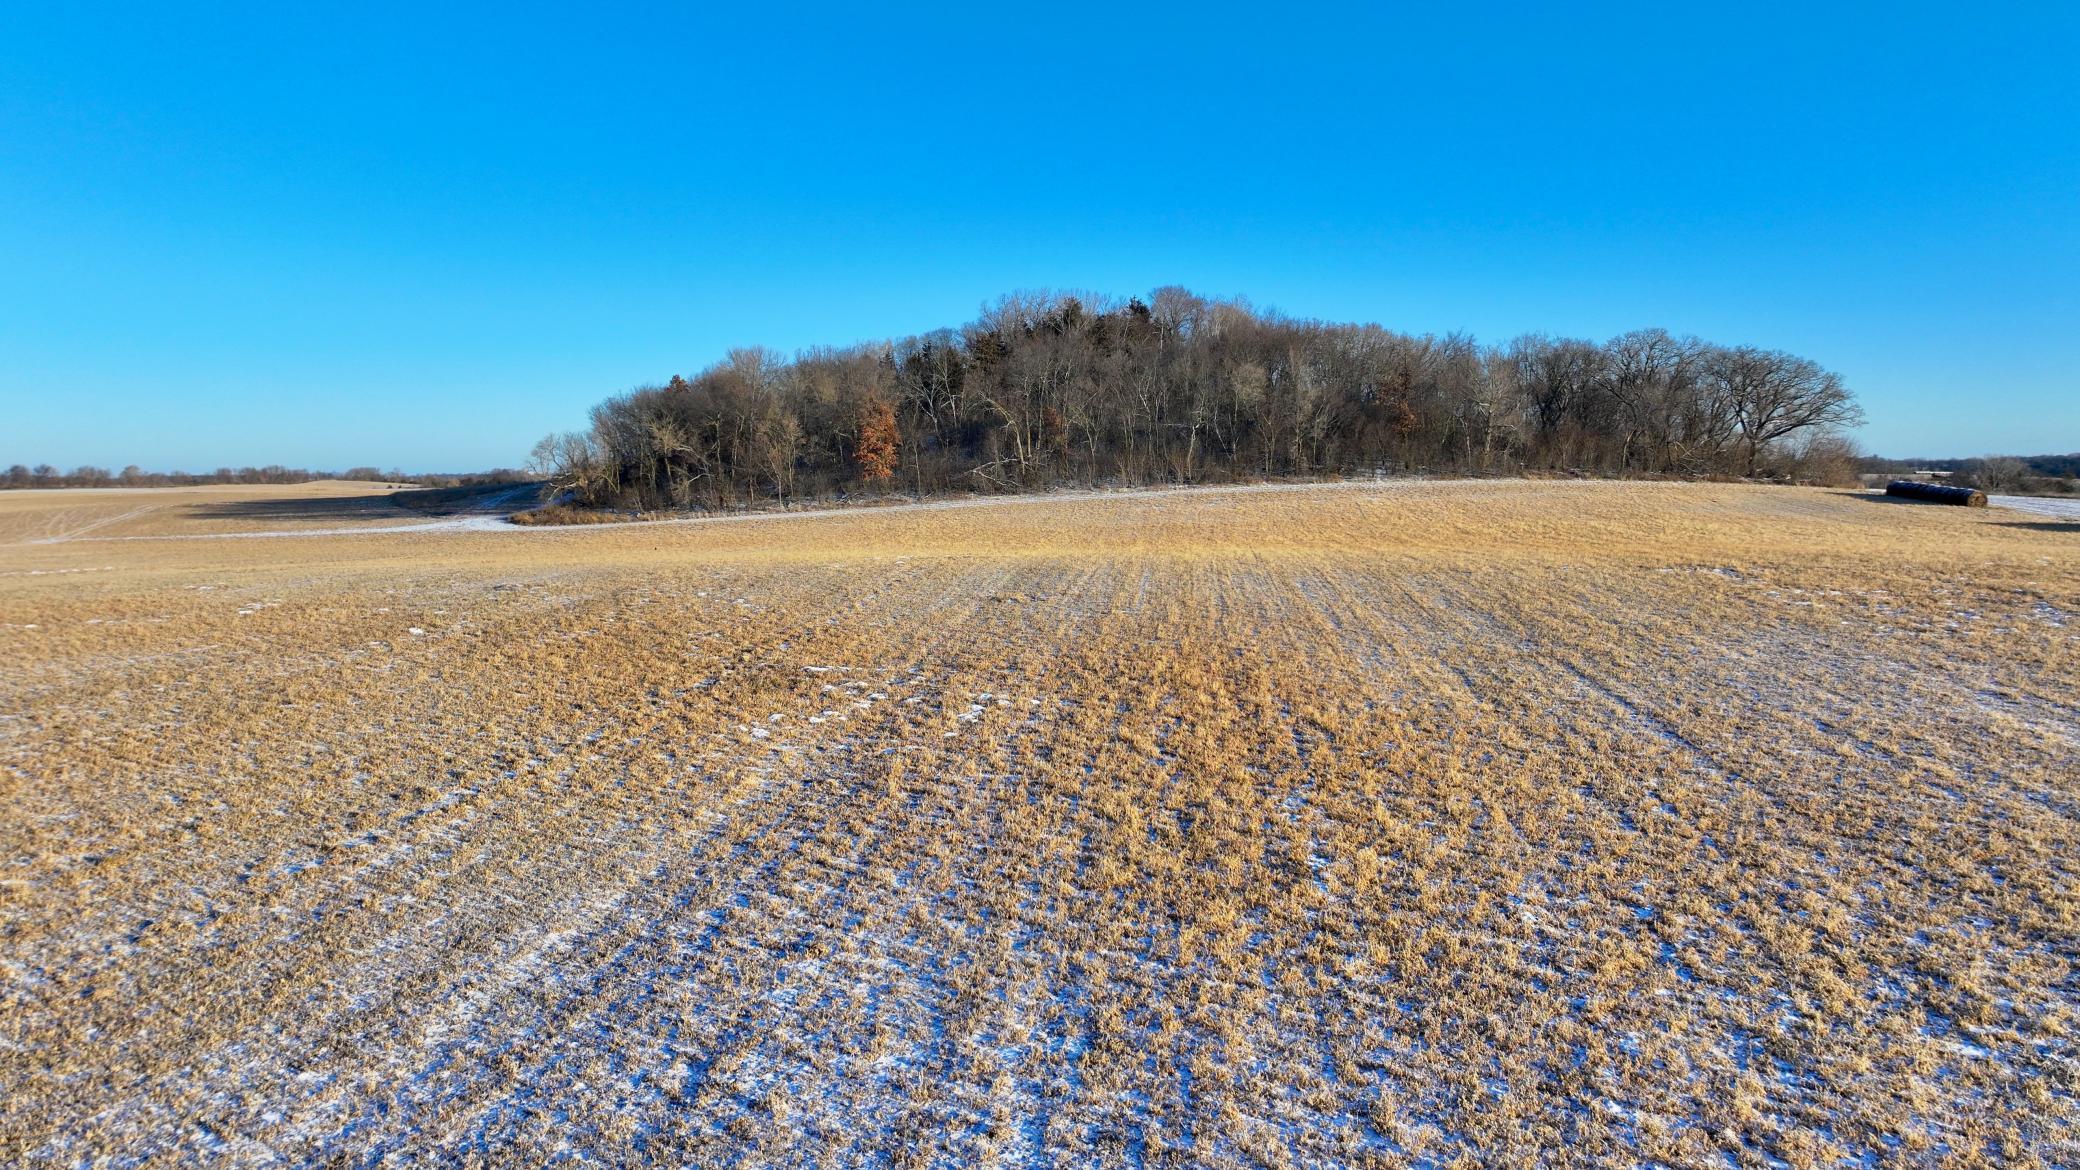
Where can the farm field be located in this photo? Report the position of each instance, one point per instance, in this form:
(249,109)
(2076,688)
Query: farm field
(227,511)
(1410,824)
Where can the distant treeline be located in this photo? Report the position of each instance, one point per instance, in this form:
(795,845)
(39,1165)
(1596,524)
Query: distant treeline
(2053,466)
(46,476)
(1047,389)
(2056,475)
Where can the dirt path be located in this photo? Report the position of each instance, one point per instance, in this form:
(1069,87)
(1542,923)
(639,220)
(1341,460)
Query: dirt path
(63,527)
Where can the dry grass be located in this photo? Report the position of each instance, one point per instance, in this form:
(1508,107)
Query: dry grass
(57,515)
(1506,822)
(552,514)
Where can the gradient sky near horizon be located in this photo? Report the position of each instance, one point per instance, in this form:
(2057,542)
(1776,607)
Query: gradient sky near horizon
(422,236)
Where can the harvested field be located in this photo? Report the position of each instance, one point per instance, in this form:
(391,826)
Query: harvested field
(1390,825)
(55,516)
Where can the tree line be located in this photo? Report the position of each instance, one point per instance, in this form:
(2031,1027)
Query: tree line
(2051,475)
(1046,389)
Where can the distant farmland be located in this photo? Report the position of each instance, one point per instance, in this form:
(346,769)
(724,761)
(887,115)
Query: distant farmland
(1349,825)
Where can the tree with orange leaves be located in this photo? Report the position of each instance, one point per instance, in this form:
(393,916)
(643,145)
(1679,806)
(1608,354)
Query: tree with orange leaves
(875,453)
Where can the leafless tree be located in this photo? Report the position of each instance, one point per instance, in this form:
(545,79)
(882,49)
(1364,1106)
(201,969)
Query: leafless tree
(1050,387)
(1771,394)
(2000,473)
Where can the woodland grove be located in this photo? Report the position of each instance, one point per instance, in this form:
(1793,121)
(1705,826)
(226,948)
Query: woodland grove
(1052,389)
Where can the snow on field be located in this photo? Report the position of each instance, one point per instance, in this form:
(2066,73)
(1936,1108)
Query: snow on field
(2057,509)
(1566,824)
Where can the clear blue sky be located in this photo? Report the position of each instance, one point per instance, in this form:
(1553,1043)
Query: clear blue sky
(424,235)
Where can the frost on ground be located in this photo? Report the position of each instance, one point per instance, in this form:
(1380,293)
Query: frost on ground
(2055,508)
(1584,823)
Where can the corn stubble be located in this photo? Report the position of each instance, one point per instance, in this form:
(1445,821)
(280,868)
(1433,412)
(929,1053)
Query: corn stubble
(1411,826)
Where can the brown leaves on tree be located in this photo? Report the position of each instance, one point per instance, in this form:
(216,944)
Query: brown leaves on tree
(1054,432)
(875,453)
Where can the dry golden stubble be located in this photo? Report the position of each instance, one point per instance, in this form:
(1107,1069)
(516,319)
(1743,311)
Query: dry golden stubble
(1342,826)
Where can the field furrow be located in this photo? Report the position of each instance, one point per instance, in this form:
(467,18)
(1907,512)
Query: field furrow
(1655,823)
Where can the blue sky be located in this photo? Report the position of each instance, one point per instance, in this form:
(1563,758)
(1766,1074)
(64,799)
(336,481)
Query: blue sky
(324,236)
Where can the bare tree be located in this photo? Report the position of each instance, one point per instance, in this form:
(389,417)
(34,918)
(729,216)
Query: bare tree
(2000,473)
(1652,377)
(1771,394)
(1047,387)
(569,462)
